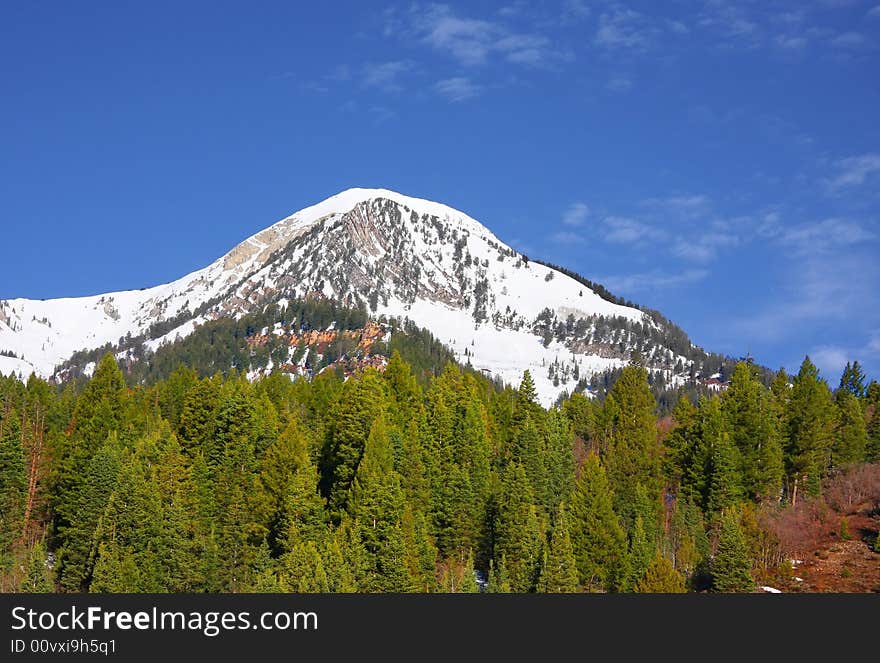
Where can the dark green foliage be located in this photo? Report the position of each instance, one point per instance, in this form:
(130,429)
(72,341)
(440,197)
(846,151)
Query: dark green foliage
(810,417)
(518,534)
(731,566)
(851,435)
(559,574)
(13,483)
(631,449)
(598,540)
(661,578)
(423,478)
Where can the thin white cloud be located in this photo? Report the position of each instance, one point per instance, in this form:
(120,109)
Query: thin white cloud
(575,10)
(623,29)
(624,230)
(576,214)
(566,237)
(385,75)
(678,27)
(873,12)
(825,235)
(792,43)
(703,248)
(457,89)
(830,360)
(849,40)
(655,280)
(854,171)
(681,206)
(472,41)
(619,84)
(819,286)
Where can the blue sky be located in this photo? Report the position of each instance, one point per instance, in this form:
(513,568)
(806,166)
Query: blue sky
(718,160)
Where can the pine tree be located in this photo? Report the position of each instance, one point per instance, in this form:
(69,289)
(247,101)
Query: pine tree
(498,580)
(361,402)
(597,538)
(303,570)
(810,426)
(287,488)
(99,412)
(633,451)
(38,576)
(78,550)
(749,417)
(853,380)
(872,409)
(421,553)
(559,573)
(725,483)
(13,484)
(640,555)
(851,436)
(661,578)
(518,535)
(731,566)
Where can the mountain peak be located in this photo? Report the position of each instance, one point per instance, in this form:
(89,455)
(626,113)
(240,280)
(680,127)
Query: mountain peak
(372,248)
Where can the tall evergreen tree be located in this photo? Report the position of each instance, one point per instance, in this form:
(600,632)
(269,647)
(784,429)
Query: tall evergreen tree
(661,578)
(731,567)
(749,417)
(851,435)
(633,451)
(13,484)
(597,538)
(559,574)
(518,534)
(853,380)
(810,428)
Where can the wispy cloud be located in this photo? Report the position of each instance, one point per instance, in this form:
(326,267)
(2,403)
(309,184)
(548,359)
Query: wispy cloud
(623,28)
(849,40)
(703,248)
(873,12)
(825,235)
(624,230)
(792,42)
(830,360)
(854,171)
(654,280)
(457,89)
(576,214)
(567,237)
(472,41)
(385,75)
(679,205)
(619,84)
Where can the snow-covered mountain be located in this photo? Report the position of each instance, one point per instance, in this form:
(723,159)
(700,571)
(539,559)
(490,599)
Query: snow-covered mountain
(396,255)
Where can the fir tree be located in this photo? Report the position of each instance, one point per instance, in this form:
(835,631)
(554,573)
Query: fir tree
(749,417)
(851,436)
(13,483)
(597,538)
(810,426)
(38,576)
(661,578)
(559,568)
(518,536)
(853,380)
(731,567)
(498,580)
(633,451)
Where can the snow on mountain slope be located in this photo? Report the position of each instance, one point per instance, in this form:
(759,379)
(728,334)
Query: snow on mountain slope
(396,255)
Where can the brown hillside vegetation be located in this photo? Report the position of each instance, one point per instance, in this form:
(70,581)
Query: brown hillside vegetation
(826,555)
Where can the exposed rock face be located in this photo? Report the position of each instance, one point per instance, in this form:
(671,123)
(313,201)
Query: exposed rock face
(374,249)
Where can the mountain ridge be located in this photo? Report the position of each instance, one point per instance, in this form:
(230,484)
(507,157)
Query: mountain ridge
(389,253)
